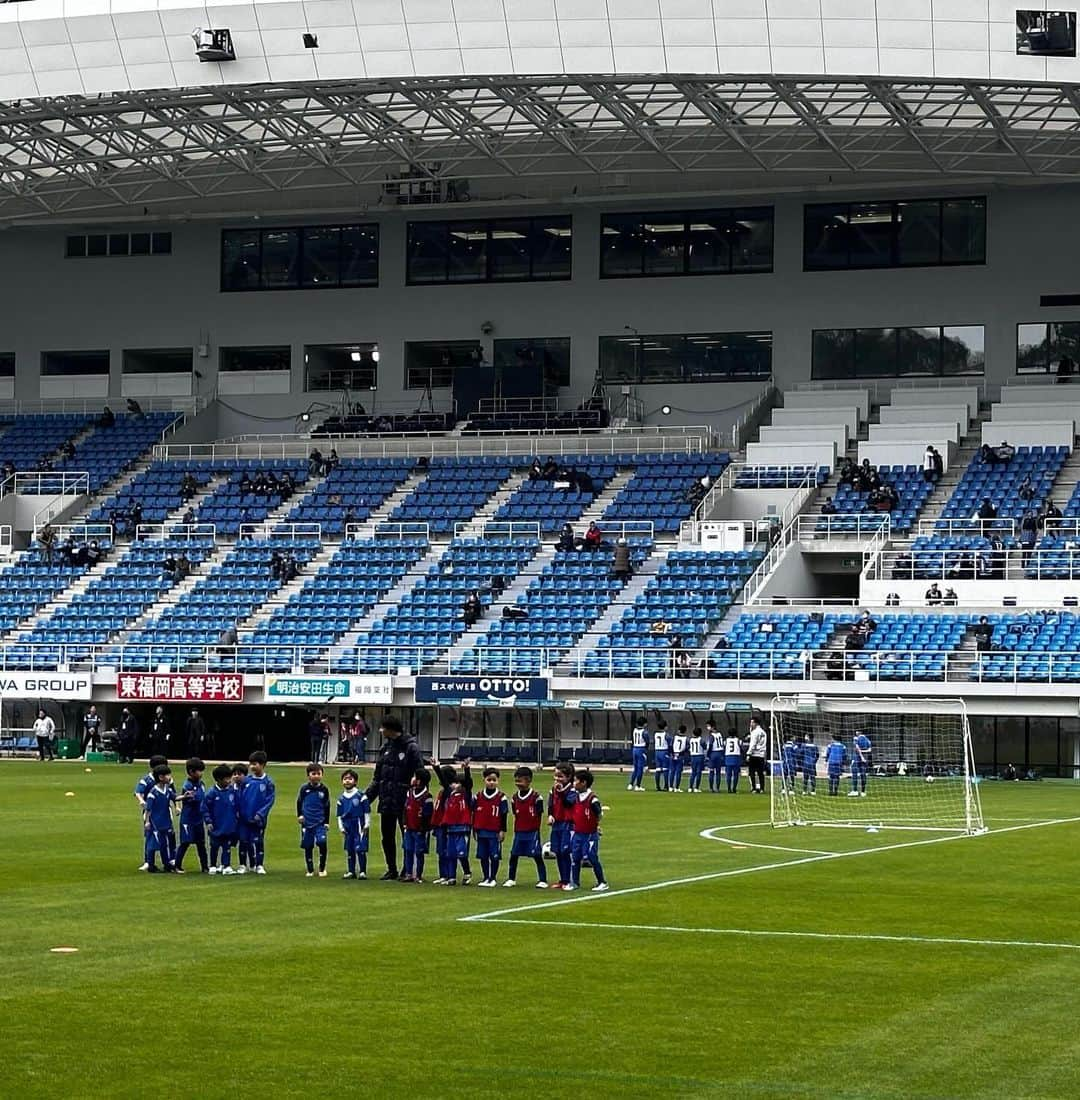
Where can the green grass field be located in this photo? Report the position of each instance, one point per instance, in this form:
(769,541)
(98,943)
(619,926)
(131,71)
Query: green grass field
(285,986)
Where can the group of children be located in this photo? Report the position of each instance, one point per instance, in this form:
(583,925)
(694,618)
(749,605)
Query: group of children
(721,754)
(802,757)
(235,810)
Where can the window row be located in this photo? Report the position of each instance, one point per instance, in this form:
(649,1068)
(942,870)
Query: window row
(506,250)
(908,233)
(118,244)
(695,357)
(1042,348)
(897,352)
(710,242)
(310,257)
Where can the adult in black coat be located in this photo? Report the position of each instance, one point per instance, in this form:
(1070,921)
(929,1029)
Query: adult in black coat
(195,733)
(127,737)
(398,760)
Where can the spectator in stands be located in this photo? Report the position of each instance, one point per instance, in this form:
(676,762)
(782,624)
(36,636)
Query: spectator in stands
(189,486)
(183,566)
(189,517)
(684,666)
(168,567)
(551,468)
(66,550)
(621,569)
(986,510)
(67,450)
(1029,533)
(950,599)
(933,595)
(135,517)
(1051,517)
(594,537)
(865,625)
(848,472)
(497,586)
(228,640)
(828,508)
(1066,368)
(383,424)
(962,569)
(929,467)
(107,418)
(44,464)
(194,733)
(277,565)
(1004,453)
(1025,490)
(473,609)
(134,407)
(892,600)
(290,568)
(995,559)
(246,485)
(330,461)
(536,470)
(834,666)
(47,542)
(315,462)
(566,538)
(675,648)
(334,500)
(1010,774)
(584,483)
(984,634)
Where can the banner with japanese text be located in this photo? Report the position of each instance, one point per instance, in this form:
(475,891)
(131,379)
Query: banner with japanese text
(180,687)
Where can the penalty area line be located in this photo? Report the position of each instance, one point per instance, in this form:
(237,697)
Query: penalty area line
(767,933)
(736,872)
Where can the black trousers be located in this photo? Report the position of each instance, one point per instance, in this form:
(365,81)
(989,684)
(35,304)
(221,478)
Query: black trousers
(44,745)
(390,824)
(755,765)
(91,739)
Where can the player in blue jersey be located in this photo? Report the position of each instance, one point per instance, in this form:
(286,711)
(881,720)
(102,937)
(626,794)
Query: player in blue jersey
(313,816)
(354,821)
(697,759)
(160,805)
(639,749)
(732,761)
(677,760)
(220,814)
(144,784)
(715,751)
(661,754)
(243,834)
(861,752)
(810,754)
(835,759)
(790,758)
(256,802)
(192,827)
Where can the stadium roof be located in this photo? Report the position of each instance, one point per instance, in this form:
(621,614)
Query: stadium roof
(211,148)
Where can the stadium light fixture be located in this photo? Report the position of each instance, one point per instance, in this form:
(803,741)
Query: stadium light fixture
(375,354)
(305,417)
(213,45)
(356,355)
(666,410)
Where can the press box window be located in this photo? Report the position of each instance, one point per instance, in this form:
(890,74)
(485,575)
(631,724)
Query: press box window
(118,244)
(1046,33)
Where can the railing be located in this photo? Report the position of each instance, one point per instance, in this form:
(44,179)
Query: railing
(816,526)
(158,532)
(498,529)
(723,484)
(41,483)
(970,528)
(269,530)
(777,549)
(793,477)
(83,532)
(978,565)
(591,422)
(742,429)
(614,667)
(190,405)
(72,485)
(388,530)
(645,439)
(519,405)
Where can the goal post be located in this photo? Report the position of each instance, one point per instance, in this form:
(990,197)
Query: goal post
(873,763)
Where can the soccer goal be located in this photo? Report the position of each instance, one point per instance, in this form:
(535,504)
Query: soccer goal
(885,763)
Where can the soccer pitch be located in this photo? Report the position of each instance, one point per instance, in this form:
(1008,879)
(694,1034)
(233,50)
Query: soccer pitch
(728,959)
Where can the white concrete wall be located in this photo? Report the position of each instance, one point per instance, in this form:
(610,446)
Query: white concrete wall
(903,433)
(793,418)
(1023,433)
(60,47)
(923,414)
(906,454)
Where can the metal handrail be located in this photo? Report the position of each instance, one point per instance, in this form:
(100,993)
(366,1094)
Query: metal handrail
(995,566)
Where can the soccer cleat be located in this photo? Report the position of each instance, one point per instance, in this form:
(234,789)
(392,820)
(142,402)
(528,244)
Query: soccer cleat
(558,886)
(213,871)
(174,870)
(509,883)
(348,874)
(418,880)
(853,794)
(629,786)
(388,876)
(260,870)
(361,874)
(229,871)
(309,874)
(489,883)
(450,882)
(600,888)
(539,885)
(145,867)
(862,794)
(406,878)
(322,874)
(440,881)
(569,886)
(241,870)
(466,879)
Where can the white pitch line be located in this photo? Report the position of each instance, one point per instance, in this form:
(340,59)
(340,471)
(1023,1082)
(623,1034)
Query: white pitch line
(785,934)
(707,834)
(736,872)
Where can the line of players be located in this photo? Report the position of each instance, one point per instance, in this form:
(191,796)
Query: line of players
(234,812)
(723,755)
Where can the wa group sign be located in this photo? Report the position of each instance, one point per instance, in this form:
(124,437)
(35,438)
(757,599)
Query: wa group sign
(505,690)
(45,685)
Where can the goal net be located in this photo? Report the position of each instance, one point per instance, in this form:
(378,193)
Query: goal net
(886,763)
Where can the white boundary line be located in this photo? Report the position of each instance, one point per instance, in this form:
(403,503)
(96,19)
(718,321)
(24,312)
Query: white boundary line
(779,934)
(710,876)
(709,834)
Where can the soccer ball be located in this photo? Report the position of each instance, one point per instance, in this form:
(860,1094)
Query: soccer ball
(929,779)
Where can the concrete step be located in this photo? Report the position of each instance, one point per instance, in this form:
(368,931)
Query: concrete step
(486,514)
(600,503)
(629,593)
(63,598)
(282,596)
(383,513)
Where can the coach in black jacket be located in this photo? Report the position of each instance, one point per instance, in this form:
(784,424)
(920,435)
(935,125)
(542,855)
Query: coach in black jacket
(399,758)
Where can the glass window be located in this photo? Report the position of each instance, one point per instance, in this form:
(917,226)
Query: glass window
(1046,33)
(551,248)
(825,236)
(75,246)
(119,244)
(551,353)
(359,255)
(963,231)
(918,239)
(280,259)
(662,358)
(663,244)
(427,252)
(620,245)
(833,354)
(240,259)
(870,234)
(97,244)
(919,351)
(963,350)
(322,253)
(161,244)
(709,243)
(509,250)
(875,352)
(620,358)
(340,367)
(157,361)
(140,244)
(1032,349)
(751,234)
(63,363)
(259,358)
(467,252)
(7,364)
(697,357)
(431,363)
